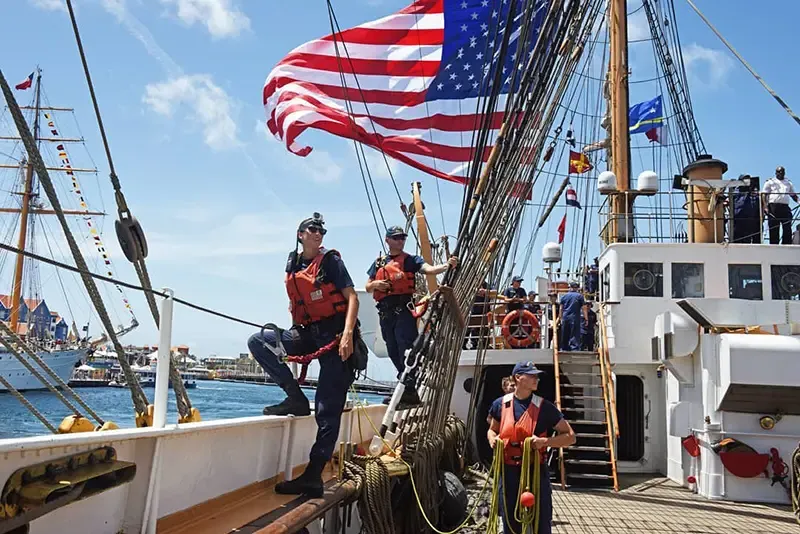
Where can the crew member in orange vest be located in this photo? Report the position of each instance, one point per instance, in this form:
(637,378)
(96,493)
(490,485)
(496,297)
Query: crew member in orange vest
(514,417)
(391,282)
(323,305)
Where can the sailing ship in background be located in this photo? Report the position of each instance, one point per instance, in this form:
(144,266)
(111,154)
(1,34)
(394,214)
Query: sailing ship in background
(60,343)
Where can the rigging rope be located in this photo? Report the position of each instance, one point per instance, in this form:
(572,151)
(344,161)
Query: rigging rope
(137,242)
(769,89)
(128,285)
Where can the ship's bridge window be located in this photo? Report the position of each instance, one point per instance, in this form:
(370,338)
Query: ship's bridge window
(785,282)
(605,284)
(688,281)
(744,281)
(644,279)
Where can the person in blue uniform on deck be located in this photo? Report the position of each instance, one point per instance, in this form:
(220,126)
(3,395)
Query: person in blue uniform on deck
(507,423)
(392,284)
(746,214)
(515,295)
(572,308)
(588,328)
(323,305)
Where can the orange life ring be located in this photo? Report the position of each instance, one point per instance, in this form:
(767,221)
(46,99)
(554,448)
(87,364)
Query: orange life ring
(521,316)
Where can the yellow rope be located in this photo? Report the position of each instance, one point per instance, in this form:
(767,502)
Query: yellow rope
(526,515)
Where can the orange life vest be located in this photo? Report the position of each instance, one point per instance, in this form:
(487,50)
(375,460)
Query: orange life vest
(513,433)
(392,270)
(312,297)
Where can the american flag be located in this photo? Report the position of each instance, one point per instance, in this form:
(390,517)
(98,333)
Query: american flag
(415,82)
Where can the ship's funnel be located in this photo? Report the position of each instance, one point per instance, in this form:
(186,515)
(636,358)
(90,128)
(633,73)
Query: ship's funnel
(706,222)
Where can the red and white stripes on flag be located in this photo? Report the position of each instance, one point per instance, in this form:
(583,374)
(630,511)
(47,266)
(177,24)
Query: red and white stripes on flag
(389,84)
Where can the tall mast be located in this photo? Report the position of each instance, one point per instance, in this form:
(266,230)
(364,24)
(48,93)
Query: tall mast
(27,195)
(620,139)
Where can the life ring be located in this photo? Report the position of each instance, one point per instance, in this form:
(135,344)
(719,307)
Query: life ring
(521,317)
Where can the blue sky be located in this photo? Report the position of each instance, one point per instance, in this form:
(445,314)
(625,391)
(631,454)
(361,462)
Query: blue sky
(179,83)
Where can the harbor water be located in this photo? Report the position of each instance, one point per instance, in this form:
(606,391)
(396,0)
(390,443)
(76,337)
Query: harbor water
(215,400)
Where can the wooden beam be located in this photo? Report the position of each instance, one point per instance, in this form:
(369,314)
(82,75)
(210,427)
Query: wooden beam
(52,212)
(47,108)
(305,511)
(50,139)
(61,169)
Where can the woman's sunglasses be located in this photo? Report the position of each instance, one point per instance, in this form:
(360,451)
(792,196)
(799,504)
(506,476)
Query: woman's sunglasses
(317,230)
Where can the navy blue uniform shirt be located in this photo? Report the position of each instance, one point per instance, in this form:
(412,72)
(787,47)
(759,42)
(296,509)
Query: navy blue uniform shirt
(549,416)
(571,304)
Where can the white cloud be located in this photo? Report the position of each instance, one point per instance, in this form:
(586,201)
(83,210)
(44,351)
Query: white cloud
(221,17)
(377,165)
(244,235)
(50,5)
(319,166)
(638,27)
(207,103)
(707,67)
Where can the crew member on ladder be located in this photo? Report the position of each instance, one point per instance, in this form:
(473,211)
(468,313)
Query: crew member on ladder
(572,306)
(323,305)
(392,284)
(514,417)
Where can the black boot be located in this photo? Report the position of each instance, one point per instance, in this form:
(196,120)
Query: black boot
(309,483)
(295,403)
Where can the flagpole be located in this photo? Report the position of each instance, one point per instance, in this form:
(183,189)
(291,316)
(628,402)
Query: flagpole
(620,139)
(27,195)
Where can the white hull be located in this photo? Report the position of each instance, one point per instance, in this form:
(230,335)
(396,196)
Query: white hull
(225,456)
(61,362)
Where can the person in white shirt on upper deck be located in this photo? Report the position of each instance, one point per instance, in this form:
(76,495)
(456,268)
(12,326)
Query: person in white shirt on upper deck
(776,194)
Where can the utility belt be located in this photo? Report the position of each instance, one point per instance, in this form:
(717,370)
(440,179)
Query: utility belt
(513,459)
(395,306)
(321,332)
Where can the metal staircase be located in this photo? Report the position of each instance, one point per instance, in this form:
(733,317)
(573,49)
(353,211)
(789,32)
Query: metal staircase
(584,394)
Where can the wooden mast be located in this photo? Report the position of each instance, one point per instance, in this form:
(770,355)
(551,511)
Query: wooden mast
(27,195)
(422,233)
(621,228)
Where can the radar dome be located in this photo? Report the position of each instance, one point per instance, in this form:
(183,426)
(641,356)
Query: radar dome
(606,182)
(551,253)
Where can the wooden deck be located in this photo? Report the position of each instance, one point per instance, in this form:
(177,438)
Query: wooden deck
(658,505)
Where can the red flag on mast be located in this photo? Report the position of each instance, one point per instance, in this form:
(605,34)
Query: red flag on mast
(25,84)
(562,227)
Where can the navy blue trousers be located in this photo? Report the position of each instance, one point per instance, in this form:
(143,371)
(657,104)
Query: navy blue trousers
(509,501)
(399,330)
(335,378)
(571,333)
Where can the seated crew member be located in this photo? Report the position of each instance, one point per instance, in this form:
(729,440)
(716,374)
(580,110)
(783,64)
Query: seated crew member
(514,417)
(392,284)
(323,305)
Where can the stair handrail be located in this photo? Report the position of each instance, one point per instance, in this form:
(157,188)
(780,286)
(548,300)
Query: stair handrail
(557,371)
(606,357)
(608,397)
